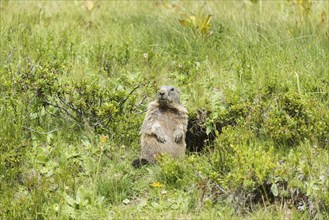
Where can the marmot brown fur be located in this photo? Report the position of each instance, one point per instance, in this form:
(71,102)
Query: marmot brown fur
(164,127)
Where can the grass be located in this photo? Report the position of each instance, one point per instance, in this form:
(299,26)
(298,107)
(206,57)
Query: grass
(262,74)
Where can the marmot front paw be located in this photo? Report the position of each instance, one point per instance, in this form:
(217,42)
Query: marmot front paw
(161,139)
(177,138)
(177,135)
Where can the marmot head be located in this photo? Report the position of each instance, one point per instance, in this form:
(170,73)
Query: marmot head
(168,95)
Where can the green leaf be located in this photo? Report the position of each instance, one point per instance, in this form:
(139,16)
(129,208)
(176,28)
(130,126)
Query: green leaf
(185,22)
(69,200)
(274,190)
(206,21)
(209,129)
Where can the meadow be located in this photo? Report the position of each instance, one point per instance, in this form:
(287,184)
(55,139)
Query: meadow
(76,78)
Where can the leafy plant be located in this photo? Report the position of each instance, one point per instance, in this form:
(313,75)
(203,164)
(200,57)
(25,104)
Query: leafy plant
(198,23)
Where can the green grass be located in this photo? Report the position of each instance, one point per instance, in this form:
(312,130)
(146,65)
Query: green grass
(262,75)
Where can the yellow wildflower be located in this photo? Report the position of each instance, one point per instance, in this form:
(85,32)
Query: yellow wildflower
(103,138)
(156,184)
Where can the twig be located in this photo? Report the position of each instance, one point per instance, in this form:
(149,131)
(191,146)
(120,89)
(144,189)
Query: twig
(69,105)
(132,91)
(61,109)
(46,133)
(139,104)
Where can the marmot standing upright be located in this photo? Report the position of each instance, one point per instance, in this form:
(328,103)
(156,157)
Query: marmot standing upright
(164,127)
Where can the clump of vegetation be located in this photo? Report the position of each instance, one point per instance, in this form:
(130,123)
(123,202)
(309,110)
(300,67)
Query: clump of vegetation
(75,80)
(198,23)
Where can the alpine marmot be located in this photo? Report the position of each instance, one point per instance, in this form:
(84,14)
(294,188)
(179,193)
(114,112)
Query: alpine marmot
(164,127)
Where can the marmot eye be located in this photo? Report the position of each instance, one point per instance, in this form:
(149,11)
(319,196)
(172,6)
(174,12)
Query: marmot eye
(172,89)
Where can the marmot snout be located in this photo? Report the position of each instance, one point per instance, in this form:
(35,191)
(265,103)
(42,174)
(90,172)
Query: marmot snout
(168,94)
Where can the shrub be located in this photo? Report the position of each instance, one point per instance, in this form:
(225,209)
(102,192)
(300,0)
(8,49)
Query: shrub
(283,118)
(83,102)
